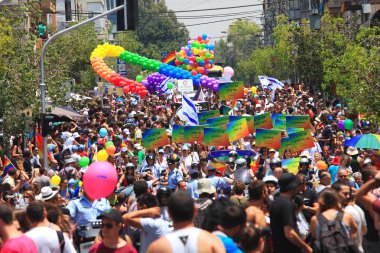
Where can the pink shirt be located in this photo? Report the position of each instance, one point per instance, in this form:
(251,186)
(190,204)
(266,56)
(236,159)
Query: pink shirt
(21,244)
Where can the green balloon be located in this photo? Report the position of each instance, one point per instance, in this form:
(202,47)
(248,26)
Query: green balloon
(169,85)
(84,161)
(207,55)
(198,59)
(109,143)
(348,124)
(139,78)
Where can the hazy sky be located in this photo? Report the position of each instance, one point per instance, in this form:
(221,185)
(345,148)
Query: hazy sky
(214,30)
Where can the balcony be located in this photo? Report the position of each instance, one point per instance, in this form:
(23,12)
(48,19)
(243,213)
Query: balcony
(47,5)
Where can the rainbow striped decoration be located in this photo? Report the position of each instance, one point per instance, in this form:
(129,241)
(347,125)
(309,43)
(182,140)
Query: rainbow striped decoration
(170,58)
(7,166)
(40,145)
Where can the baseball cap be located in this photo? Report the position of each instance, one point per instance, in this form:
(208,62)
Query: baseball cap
(161,151)
(111,214)
(137,146)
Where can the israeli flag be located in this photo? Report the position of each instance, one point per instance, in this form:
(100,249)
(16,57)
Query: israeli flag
(189,110)
(270,83)
(164,87)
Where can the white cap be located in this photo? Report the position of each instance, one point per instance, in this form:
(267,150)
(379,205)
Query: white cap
(270,178)
(258,105)
(137,146)
(126,131)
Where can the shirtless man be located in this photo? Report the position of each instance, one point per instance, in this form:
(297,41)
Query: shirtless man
(185,237)
(257,210)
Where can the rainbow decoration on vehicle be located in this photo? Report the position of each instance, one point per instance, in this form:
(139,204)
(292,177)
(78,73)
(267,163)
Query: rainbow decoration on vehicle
(197,49)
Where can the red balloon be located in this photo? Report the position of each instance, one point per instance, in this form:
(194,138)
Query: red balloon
(199,38)
(194,73)
(126,89)
(176,62)
(201,70)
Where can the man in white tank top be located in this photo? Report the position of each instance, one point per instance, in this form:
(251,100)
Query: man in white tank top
(185,238)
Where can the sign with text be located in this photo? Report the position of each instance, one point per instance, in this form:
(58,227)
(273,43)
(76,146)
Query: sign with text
(204,116)
(185,85)
(285,144)
(233,90)
(279,121)
(250,122)
(225,109)
(299,121)
(194,133)
(221,121)
(268,138)
(215,136)
(292,164)
(178,133)
(263,121)
(301,140)
(154,138)
(237,129)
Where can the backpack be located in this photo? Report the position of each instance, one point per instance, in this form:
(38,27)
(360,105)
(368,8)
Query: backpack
(332,236)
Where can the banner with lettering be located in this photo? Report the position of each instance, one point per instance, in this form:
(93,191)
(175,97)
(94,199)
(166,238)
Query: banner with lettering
(279,121)
(292,164)
(237,129)
(215,136)
(232,90)
(269,138)
(263,121)
(285,144)
(204,116)
(194,133)
(221,121)
(178,134)
(299,121)
(154,138)
(293,130)
(250,122)
(301,140)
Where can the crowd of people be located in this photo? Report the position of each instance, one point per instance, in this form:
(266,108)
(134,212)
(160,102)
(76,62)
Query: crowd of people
(173,198)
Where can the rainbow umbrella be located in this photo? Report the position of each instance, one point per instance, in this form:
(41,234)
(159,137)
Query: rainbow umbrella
(364,141)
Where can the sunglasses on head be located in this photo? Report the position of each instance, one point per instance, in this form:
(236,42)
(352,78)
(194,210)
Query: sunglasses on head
(107,225)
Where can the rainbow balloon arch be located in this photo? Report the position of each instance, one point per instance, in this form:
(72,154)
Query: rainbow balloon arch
(193,61)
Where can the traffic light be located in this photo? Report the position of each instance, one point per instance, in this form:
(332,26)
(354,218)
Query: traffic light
(132,15)
(49,119)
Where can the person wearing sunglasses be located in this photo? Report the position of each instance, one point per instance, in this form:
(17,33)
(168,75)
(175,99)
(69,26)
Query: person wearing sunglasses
(112,236)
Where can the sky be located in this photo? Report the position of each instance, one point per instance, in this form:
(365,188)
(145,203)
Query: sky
(214,30)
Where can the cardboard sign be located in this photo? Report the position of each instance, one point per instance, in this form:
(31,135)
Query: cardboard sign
(300,121)
(301,140)
(215,136)
(218,122)
(279,121)
(268,138)
(285,144)
(193,133)
(250,122)
(226,110)
(204,116)
(185,85)
(154,138)
(237,129)
(232,90)
(263,121)
(292,164)
(294,130)
(178,133)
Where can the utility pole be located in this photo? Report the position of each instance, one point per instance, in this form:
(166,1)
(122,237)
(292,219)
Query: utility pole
(42,58)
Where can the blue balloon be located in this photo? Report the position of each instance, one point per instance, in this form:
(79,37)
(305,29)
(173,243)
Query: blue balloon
(186,61)
(204,36)
(210,61)
(103,132)
(202,63)
(189,53)
(211,46)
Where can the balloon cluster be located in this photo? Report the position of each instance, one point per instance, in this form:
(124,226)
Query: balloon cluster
(153,82)
(196,56)
(101,68)
(209,83)
(143,62)
(178,73)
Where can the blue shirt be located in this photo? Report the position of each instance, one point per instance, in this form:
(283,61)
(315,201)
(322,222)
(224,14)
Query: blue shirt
(156,169)
(83,211)
(217,182)
(192,186)
(174,177)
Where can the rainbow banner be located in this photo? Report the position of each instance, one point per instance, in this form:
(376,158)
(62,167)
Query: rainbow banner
(40,145)
(279,121)
(232,90)
(263,121)
(250,122)
(268,138)
(226,110)
(300,121)
(154,138)
(178,134)
(221,121)
(237,129)
(204,116)
(170,58)
(215,136)
(301,140)
(285,144)
(7,165)
(292,164)
(194,133)
(294,130)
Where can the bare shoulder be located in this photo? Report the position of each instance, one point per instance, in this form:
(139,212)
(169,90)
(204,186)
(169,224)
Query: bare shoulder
(210,243)
(160,246)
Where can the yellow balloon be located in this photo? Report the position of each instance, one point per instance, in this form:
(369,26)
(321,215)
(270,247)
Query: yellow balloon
(56,180)
(80,183)
(102,155)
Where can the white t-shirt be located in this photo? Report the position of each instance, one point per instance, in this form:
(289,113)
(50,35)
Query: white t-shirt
(47,241)
(152,229)
(358,215)
(193,157)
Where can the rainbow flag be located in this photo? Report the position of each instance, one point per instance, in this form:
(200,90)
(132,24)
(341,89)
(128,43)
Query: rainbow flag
(40,145)
(170,58)
(236,104)
(7,166)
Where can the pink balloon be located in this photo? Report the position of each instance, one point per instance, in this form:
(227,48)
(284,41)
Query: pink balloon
(229,71)
(100,180)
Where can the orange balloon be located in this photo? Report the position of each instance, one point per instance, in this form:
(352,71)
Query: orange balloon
(321,165)
(111,149)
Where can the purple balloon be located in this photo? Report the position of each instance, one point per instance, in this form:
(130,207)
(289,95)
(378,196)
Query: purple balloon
(341,124)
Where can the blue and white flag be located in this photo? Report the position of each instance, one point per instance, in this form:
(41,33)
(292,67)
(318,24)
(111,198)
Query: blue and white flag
(164,87)
(270,83)
(189,110)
